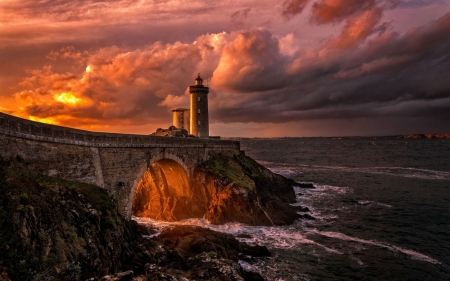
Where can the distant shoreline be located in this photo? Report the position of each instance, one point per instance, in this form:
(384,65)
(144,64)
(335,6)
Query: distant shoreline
(409,136)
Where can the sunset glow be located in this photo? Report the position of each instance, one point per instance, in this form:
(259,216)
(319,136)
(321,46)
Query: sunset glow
(67,98)
(289,68)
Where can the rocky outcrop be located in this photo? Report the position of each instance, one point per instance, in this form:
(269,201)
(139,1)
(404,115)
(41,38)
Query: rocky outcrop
(172,131)
(53,229)
(239,189)
(222,189)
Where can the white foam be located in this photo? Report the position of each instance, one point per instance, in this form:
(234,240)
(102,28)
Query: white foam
(232,228)
(412,254)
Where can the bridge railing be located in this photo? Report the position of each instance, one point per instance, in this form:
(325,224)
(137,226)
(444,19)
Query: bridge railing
(22,128)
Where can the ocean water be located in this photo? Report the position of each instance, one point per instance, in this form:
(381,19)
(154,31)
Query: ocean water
(382,209)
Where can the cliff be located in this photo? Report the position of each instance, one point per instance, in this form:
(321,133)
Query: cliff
(239,189)
(52,229)
(223,189)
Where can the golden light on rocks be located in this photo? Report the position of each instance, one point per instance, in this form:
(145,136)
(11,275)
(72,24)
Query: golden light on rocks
(163,193)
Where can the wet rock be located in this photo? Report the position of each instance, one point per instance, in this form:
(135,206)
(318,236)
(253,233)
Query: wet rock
(255,251)
(307,217)
(187,241)
(302,209)
(253,276)
(305,185)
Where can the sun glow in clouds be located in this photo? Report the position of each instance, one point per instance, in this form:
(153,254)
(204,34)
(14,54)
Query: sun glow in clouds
(43,120)
(67,98)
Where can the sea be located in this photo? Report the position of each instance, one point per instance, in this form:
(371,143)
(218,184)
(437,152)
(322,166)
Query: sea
(381,209)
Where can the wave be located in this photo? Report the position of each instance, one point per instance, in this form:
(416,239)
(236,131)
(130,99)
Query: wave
(287,169)
(413,254)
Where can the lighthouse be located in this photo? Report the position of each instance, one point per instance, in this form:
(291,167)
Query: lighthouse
(199,123)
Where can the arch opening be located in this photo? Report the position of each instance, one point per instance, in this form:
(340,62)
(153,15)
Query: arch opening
(163,192)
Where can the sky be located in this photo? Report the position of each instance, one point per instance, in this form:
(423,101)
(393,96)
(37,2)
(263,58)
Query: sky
(275,68)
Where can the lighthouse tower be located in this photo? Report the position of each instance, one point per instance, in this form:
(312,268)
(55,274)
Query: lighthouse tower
(199,109)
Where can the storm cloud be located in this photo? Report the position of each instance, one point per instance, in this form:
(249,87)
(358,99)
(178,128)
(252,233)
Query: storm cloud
(122,65)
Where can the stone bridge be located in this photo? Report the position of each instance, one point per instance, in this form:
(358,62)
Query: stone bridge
(116,162)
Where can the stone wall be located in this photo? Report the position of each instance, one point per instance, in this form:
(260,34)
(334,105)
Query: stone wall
(22,128)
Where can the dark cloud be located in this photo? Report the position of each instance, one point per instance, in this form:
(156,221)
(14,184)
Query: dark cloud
(390,75)
(102,64)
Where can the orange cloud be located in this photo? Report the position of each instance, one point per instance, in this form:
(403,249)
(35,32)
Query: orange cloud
(119,85)
(326,11)
(357,29)
(251,62)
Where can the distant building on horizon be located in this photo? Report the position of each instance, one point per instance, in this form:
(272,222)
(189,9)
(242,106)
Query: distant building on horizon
(195,119)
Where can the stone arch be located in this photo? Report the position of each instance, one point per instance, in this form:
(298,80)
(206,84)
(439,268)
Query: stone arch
(143,169)
(170,156)
(163,192)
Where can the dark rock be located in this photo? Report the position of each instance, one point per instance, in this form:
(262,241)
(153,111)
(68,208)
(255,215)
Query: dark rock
(307,217)
(188,241)
(255,251)
(145,229)
(304,185)
(302,209)
(253,276)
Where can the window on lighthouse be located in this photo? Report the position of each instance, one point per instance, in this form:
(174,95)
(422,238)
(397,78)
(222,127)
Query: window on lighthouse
(198,98)
(199,111)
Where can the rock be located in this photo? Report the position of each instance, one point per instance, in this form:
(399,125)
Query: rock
(207,267)
(253,276)
(255,251)
(58,230)
(302,209)
(239,189)
(307,217)
(187,241)
(172,131)
(304,185)
(145,229)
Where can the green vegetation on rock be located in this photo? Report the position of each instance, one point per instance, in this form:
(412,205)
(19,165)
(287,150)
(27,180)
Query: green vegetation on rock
(232,169)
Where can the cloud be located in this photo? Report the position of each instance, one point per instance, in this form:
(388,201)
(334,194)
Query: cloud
(332,11)
(97,64)
(120,85)
(357,29)
(251,62)
(291,8)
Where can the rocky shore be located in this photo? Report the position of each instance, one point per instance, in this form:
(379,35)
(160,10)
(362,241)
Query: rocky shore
(53,229)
